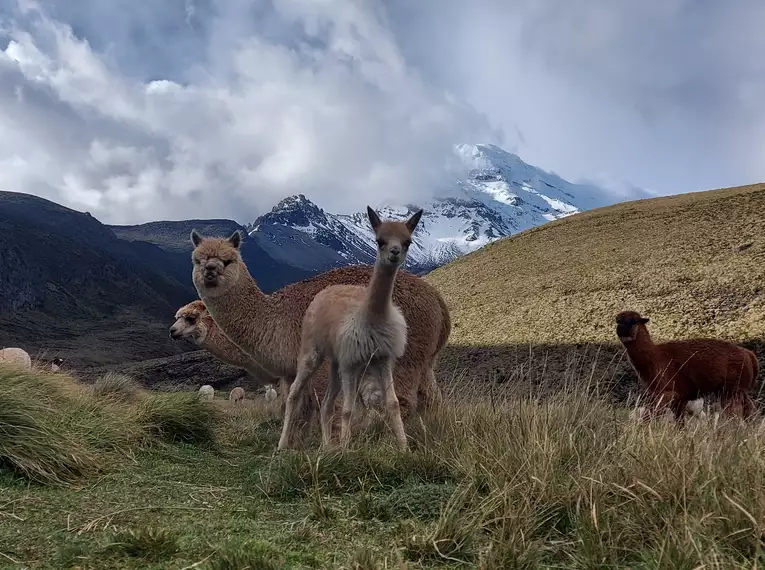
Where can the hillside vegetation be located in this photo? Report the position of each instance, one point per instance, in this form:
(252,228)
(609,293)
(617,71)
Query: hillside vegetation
(113,476)
(693,263)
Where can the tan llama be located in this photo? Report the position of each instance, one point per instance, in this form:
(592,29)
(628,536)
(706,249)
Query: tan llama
(194,323)
(358,329)
(268,327)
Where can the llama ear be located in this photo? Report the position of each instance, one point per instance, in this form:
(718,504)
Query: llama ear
(196,239)
(374,219)
(235,239)
(412,222)
(643,320)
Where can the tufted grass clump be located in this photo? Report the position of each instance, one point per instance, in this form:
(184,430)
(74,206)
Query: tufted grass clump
(56,431)
(117,386)
(179,417)
(51,430)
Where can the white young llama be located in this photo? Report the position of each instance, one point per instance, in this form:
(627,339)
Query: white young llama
(359,330)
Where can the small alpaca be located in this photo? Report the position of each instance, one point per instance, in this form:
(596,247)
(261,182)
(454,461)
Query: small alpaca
(673,373)
(359,330)
(207,392)
(15,357)
(236,395)
(55,364)
(270,393)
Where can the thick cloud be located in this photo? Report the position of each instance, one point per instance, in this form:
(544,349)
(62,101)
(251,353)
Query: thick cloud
(204,108)
(320,102)
(662,94)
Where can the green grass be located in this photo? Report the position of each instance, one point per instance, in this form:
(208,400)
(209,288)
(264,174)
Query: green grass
(490,483)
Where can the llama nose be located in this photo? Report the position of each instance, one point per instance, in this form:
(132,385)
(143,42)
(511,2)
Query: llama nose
(395,250)
(210,268)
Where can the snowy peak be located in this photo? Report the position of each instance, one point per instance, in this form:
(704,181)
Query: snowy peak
(496,195)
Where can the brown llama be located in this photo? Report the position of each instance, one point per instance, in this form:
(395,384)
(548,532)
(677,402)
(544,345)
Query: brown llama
(359,330)
(267,327)
(674,373)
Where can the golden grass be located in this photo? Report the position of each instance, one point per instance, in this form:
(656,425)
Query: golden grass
(694,263)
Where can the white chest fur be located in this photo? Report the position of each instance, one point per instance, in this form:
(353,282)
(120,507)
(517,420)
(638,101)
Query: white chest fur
(362,337)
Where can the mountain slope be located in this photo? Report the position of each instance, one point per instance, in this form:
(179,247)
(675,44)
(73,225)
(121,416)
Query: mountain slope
(67,283)
(499,195)
(693,263)
(272,270)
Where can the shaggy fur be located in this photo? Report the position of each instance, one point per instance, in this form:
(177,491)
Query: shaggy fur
(236,395)
(193,322)
(15,357)
(679,371)
(267,327)
(359,330)
(207,392)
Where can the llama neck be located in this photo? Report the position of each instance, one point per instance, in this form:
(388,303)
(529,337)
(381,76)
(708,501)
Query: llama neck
(248,318)
(218,343)
(379,293)
(641,354)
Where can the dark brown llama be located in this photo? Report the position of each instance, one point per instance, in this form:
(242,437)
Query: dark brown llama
(673,373)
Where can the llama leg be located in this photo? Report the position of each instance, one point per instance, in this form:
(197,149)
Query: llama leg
(328,405)
(349,379)
(308,363)
(432,393)
(388,390)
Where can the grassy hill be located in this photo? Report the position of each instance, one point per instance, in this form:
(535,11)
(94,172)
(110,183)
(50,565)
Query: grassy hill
(693,263)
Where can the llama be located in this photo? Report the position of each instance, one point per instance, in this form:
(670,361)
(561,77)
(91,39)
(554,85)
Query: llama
(194,323)
(55,364)
(268,327)
(679,371)
(236,395)
(15,357)
(357,329)
(207,392)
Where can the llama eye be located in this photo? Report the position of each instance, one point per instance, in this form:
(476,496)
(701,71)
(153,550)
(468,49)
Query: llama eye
(226,262)
(191,320)
(197,262)
(407,243)
(380,243)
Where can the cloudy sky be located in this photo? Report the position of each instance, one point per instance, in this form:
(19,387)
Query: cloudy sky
(138,109)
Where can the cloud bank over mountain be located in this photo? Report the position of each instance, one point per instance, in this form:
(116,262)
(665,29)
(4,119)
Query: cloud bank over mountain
(198,108)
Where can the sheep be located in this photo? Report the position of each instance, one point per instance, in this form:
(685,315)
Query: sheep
(236,395)
(207,392)
(679,371)
(16,357)
(270,393)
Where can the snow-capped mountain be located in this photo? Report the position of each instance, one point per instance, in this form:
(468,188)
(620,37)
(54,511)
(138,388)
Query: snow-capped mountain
(498,196)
